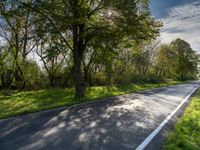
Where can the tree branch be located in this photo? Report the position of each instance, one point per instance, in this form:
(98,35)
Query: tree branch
(49,19)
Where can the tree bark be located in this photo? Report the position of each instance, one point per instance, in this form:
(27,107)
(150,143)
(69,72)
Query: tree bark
(77,56)
(77,76)
(78,49)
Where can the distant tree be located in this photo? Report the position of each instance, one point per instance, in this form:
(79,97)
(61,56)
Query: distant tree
(187,59)
(17,31)
(166,62)
(6,73)
(53,56)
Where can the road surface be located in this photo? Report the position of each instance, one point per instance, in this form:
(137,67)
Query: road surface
(118,123)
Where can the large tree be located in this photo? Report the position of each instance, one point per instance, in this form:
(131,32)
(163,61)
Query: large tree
(79,22)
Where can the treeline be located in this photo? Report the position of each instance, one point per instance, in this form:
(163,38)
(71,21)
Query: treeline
(66,43)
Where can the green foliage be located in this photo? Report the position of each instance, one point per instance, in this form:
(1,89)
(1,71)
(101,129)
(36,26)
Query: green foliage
(81,43)
(80,23)
(177,61)
(186,134)
(32,74)
(187,60)
(22,102)
(166,62)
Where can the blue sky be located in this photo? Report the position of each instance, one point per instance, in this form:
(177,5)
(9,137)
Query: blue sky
(181,18)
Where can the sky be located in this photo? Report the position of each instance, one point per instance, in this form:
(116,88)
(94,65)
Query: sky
(181,19)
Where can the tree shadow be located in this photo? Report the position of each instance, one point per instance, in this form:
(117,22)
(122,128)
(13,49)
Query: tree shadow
(116,123)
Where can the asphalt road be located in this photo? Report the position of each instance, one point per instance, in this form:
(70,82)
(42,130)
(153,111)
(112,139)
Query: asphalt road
(118,123)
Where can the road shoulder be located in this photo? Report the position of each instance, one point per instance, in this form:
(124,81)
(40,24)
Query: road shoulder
(159,140)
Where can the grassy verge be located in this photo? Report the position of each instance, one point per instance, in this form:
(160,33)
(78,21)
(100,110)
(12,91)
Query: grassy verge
(186,135)
(32,101)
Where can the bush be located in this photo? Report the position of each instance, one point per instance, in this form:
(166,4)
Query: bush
(150,78)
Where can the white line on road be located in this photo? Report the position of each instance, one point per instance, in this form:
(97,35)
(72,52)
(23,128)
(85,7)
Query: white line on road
(157,130)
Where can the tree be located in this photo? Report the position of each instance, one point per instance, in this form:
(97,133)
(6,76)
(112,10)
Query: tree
(78,22)
(5,69)
(166,62)
(187,59)
(177,60)
(16,29)
(53,56)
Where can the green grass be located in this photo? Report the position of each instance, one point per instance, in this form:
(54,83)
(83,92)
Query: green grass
(31,101)
(186,135)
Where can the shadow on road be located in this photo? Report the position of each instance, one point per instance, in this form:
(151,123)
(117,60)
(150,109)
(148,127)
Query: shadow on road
(117,123)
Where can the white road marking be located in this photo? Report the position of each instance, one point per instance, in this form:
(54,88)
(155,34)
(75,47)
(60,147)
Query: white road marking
(157,130)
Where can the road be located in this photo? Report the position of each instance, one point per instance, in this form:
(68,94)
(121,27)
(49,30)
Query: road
(118,123)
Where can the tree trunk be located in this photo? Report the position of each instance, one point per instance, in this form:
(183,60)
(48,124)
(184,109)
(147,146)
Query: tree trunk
(90,79)
(77,56)
(52,81)
(78,49)
(85,75)
(79,88)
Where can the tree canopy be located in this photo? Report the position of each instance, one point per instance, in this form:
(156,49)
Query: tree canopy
(86,42)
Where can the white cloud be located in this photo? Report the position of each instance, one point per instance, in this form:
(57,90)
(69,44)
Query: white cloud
(183,22)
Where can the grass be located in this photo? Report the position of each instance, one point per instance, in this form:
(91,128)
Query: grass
(31,101)
(186,135)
